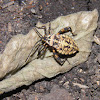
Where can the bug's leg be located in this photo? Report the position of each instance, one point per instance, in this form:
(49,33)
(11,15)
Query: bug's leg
(64,30)
(42,51)
(58,59)
(49,28)
(43,27)
(33,50)
(37,32)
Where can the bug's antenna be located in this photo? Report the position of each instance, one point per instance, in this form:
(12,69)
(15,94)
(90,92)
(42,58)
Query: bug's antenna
(37,32)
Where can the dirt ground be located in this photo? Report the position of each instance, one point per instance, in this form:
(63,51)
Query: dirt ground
(18,17)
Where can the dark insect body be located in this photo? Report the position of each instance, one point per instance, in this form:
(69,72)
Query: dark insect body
(60,43)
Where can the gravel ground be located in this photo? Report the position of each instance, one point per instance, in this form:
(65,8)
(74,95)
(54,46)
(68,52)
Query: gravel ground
(18,17)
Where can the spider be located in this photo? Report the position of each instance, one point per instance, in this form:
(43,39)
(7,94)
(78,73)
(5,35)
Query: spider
(60,44)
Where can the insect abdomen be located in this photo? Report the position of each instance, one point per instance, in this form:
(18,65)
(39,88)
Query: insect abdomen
(64,44)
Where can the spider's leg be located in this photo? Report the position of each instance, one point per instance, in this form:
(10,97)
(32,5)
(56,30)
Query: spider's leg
(43,27)
(33,50)
(64,30)
(58,59)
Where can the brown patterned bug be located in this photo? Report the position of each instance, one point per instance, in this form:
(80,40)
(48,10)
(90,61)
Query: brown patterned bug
(60,44)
